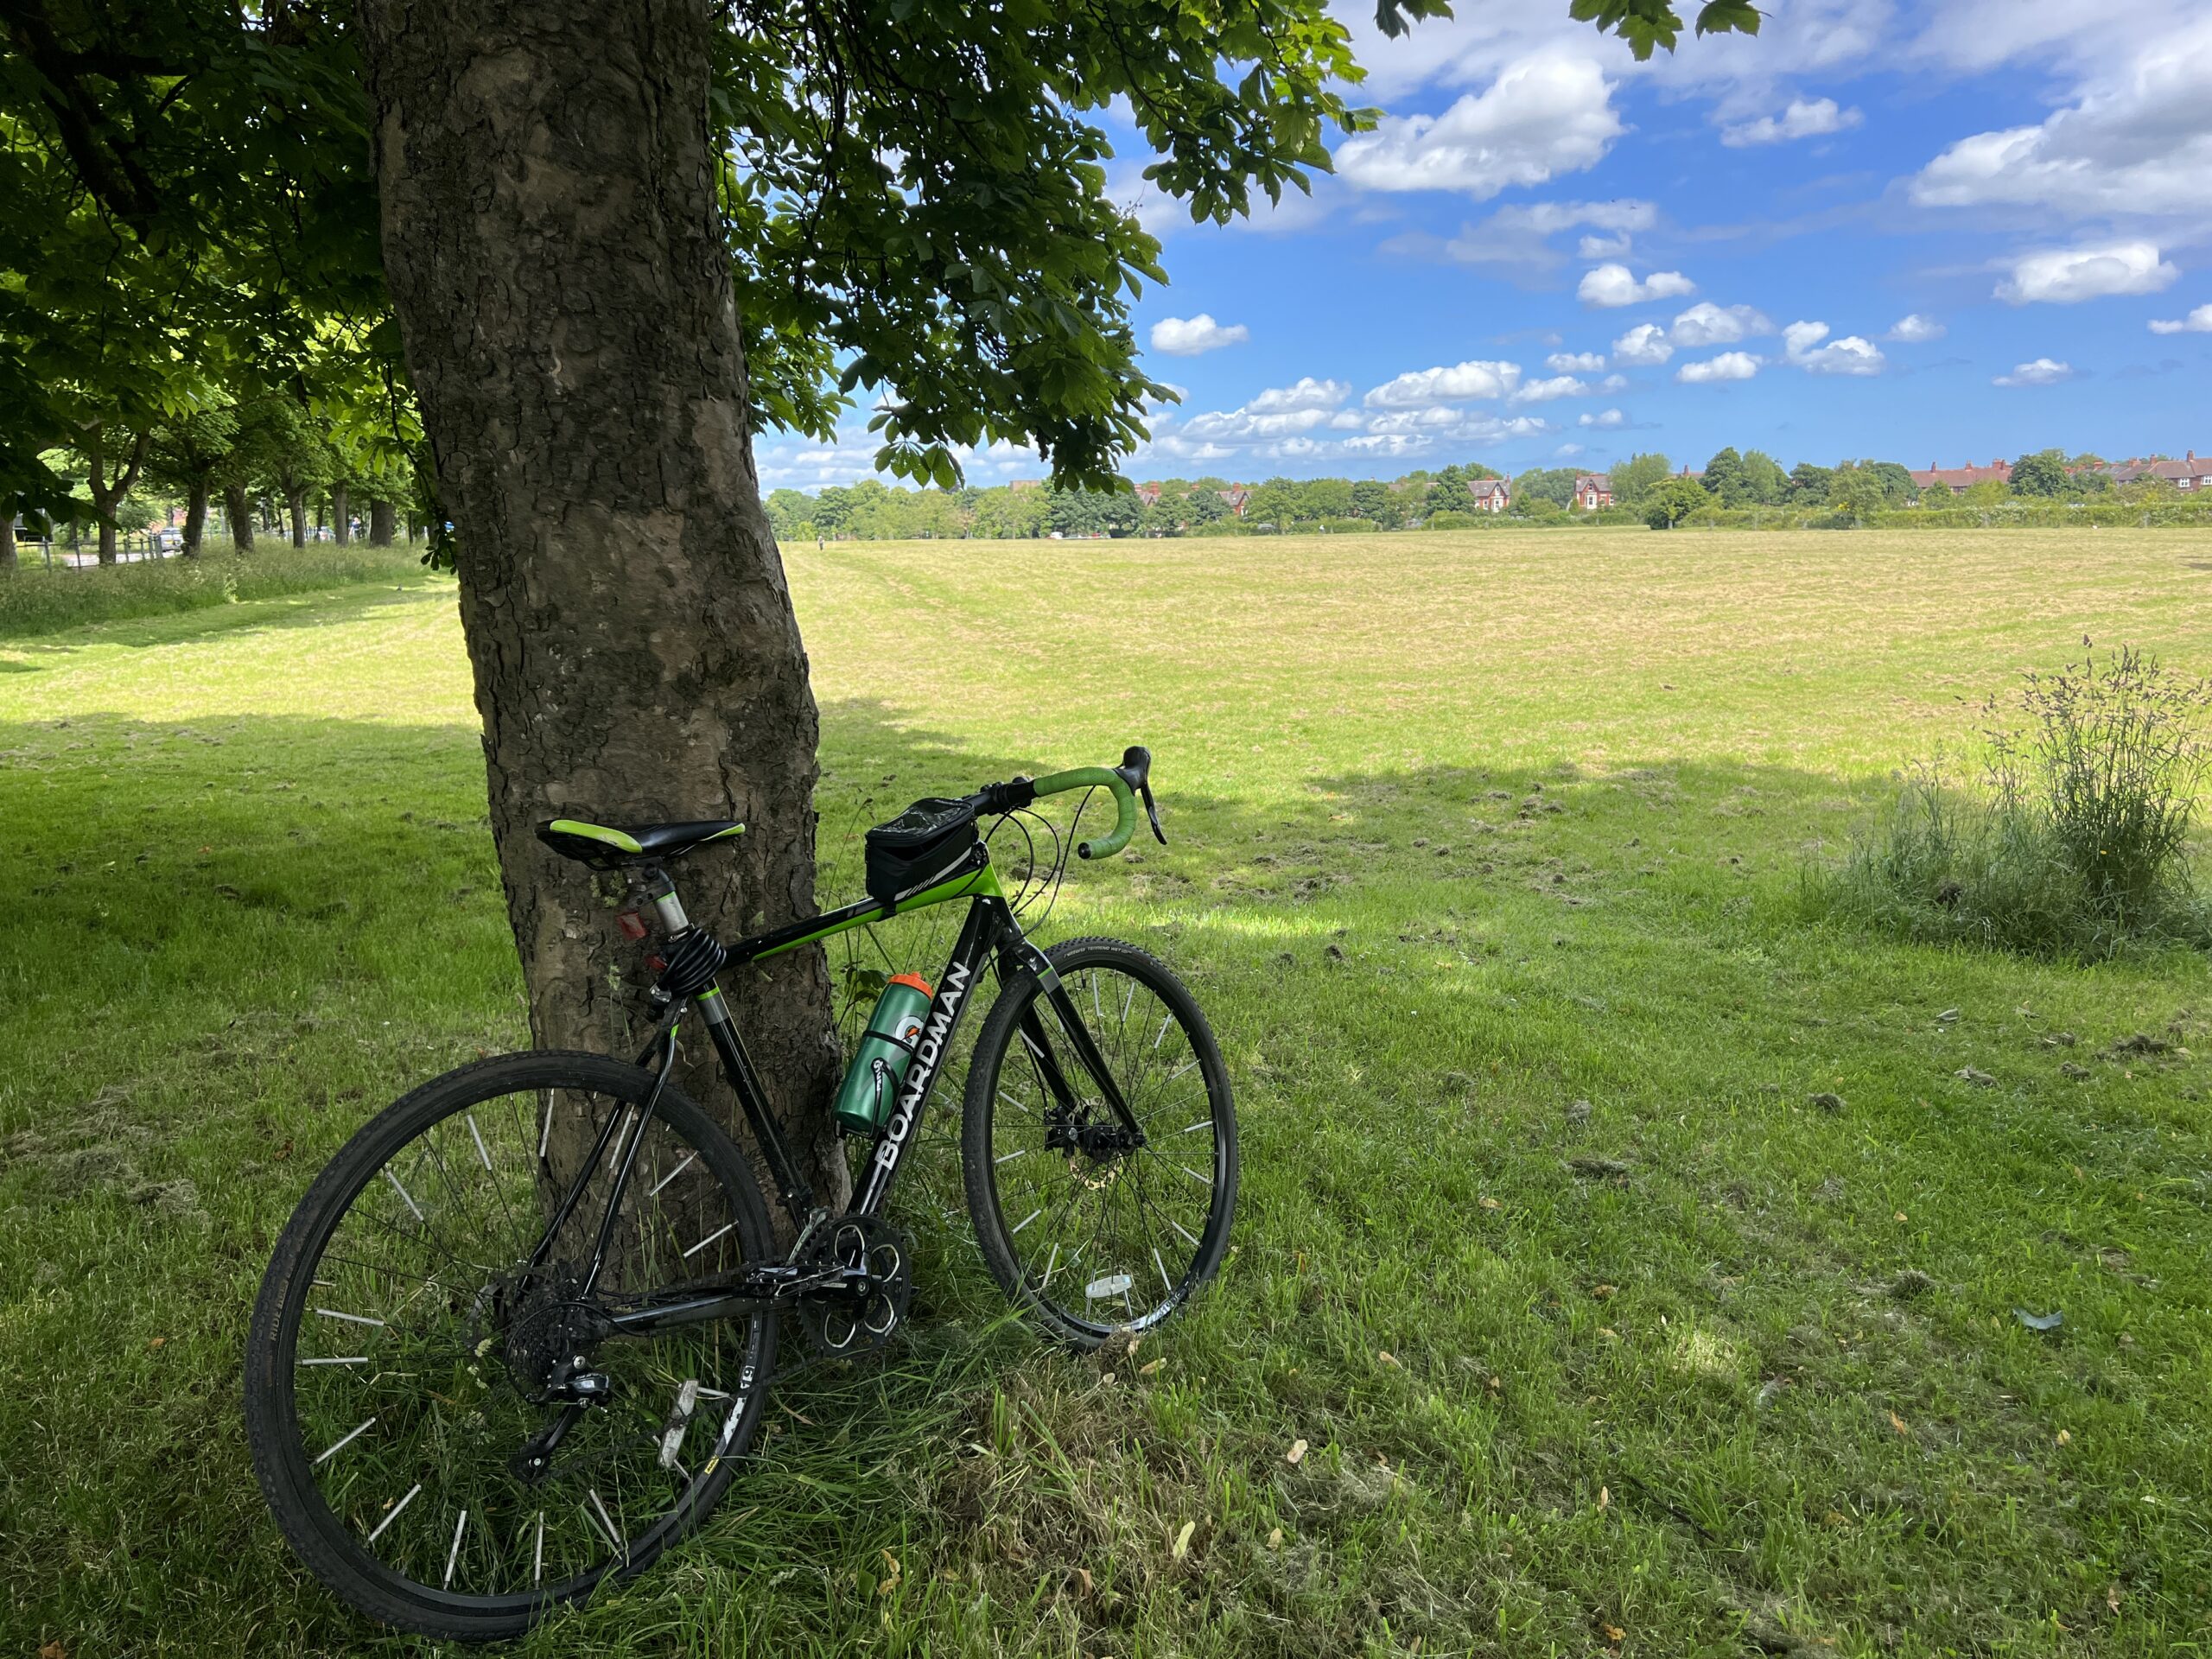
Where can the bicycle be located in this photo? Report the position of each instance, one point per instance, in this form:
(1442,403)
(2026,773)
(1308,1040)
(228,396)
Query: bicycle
(519,1332)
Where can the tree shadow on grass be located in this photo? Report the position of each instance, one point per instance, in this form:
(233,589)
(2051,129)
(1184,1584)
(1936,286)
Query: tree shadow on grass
(1415,978)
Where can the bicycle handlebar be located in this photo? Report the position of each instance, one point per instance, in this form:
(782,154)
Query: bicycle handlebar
(1129,781)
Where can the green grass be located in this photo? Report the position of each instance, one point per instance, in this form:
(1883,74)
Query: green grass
(34,601)
(1467,832)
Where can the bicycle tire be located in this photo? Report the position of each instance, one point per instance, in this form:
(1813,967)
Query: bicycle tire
(1142,1226)
(284,1464)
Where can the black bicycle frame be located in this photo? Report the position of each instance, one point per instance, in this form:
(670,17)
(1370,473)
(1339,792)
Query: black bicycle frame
(988,931)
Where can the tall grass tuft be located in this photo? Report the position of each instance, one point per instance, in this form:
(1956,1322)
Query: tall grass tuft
(2066,835)
(35,601)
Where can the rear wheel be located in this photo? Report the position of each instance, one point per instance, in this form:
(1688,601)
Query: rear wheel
(446,1429)
(1089,1229)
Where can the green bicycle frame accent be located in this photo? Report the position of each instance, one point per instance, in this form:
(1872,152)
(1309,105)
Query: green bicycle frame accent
(990,933)
(978,883)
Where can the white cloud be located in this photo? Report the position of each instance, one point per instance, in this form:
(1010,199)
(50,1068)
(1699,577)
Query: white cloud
(2041,372)
(1798,38)
(1449,424)
(2066,276)
(1974,36)
(1249,425)
(1852,354)
(1605,418)
(1603,247)
(1542,392)
(1189,336)
(1307,393)
(1915,330)
(1545,115)
(1575,362)
(2137,139)
(2198,321)
(1519,235)
(1610,286)
(1706,324)
(1614,383)
(1646,343)
(1568,451)
(1804,118)
(1429,388)
(1729,366)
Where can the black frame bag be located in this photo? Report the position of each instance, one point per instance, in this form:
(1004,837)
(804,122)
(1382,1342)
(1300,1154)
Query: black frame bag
(922,846)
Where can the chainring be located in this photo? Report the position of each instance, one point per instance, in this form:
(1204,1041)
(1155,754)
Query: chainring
(838,1324)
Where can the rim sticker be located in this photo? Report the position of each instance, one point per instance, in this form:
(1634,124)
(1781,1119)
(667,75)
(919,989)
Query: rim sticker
(1114,1284)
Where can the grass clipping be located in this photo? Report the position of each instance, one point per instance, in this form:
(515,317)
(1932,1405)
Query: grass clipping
(2064,832)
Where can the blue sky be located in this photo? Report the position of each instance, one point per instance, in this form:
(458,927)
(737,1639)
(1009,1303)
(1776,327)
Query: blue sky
(1936,232)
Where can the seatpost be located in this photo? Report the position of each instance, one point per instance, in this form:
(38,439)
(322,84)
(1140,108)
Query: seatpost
(654,883)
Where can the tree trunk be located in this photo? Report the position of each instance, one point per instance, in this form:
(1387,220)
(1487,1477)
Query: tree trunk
(195,517)
(240,511)
(296,501)
(8,541)
(559,273)
(342,508)
(380,524)
(107,540)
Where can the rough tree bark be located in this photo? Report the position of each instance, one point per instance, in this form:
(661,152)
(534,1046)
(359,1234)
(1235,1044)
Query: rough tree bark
(295,502)
(195,517)
(559,272)
(239,511)
(341,509)
(8,540)
(380,524)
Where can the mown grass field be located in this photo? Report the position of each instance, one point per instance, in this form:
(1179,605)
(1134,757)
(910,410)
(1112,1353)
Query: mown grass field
(1487,853)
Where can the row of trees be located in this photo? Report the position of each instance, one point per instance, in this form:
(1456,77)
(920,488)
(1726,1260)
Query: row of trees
(1856,490)
(1647,484)
(269,462)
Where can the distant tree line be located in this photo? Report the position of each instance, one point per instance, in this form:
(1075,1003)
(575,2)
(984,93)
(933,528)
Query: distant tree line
(1645,486)
(269,465)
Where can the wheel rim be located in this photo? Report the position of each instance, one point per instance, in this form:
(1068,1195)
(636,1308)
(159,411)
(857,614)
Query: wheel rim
(420,1356)
(1106,1237)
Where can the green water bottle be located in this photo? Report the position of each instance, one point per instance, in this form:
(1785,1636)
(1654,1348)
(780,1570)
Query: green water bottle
(870,1091)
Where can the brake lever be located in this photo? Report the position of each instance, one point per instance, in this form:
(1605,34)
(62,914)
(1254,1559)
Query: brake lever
(1152,811)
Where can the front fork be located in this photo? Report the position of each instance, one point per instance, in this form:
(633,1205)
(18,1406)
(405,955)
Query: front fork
(1026,955)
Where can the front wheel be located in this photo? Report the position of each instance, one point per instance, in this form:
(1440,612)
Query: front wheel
(1088,1228)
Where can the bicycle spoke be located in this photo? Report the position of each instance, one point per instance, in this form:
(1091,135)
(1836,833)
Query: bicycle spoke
(1104,1230)
(419,1375)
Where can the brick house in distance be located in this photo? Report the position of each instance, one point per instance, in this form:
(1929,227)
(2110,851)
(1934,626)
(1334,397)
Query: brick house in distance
(2191,474)
(1491,494)
(1148,494)
(1592,492)
(1957,478)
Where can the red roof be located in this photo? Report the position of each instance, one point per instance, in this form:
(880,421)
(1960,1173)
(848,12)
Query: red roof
(1959,477)
(2192,466)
